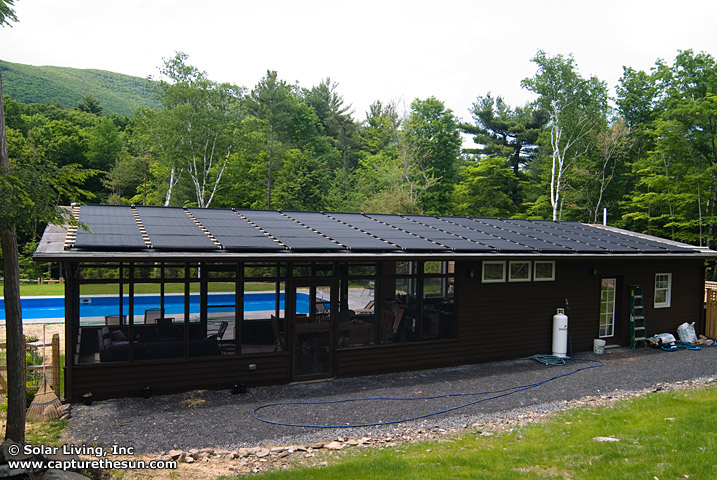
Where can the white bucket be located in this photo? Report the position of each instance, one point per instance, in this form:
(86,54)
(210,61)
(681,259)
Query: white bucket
(599,346)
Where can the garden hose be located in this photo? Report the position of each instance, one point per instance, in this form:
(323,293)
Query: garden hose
(545,359)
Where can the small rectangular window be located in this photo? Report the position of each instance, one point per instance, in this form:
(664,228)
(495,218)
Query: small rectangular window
(544,271)
(493,272)
(663,290)
(519,271)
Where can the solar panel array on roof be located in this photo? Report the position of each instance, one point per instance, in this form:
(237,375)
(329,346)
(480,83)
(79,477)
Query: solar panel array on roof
(235,233)
(643,245)
(292,234)
(172,229)
(115,227)
(112,227)
(539,240)
(470,229)
(352,238)
(404,240)
(560,232)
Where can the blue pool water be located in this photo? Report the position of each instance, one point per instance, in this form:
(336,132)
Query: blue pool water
(99,306)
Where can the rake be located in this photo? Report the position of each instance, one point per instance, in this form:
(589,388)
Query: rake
(45,405)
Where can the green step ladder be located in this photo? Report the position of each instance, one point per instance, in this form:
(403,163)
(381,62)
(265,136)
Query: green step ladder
(638,327)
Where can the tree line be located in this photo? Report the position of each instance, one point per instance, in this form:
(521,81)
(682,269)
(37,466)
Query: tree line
(646,156)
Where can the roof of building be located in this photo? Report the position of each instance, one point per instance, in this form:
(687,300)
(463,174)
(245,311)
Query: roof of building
(149,232)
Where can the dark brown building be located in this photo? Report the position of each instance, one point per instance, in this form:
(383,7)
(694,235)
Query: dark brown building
(186,298)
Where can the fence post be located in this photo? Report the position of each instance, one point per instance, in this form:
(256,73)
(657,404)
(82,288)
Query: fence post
(56,364)
(711,314)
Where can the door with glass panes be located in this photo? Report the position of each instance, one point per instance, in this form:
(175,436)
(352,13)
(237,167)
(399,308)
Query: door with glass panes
(611,328)
(315,307)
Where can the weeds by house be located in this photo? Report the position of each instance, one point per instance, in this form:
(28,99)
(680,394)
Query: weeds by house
(662,435)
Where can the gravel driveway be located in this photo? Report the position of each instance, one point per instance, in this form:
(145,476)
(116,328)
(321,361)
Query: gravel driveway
(218,419)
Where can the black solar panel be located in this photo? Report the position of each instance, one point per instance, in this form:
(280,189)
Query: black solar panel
(296,237)
(233,232)
(172,229)
(642,244)
(585,243)
(353,239)
(470,229)
(541,241)
(404,240)
(414,224)
(112,227)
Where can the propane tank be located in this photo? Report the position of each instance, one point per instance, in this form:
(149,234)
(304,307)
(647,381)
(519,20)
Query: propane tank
(560,334)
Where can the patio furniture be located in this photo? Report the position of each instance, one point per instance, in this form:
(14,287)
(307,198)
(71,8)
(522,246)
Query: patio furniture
(166,330)
(152,314)
(113,320)
(368,309)
(220,333)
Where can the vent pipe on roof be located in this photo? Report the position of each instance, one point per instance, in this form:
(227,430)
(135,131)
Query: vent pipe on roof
(604,216)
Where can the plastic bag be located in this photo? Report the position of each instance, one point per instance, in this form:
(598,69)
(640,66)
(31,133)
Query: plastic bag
(666,339)
(686,332)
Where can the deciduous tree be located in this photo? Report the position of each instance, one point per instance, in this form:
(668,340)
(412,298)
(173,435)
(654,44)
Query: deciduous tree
(575,106)
(433,138)
(196,129)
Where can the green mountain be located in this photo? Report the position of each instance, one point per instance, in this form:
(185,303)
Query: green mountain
(118,94)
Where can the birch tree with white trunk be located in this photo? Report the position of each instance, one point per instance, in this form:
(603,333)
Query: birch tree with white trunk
(196,130)
(576,106)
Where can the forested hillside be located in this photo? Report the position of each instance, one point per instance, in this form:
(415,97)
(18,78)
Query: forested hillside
(119,94)
(648,156)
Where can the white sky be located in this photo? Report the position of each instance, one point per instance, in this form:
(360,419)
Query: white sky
(375,50)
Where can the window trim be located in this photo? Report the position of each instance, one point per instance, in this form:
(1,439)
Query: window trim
(493,280)
(530,271)
(668,290)
(545,279)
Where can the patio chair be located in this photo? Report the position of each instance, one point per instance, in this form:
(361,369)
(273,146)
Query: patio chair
(166,330)
(220,333)
(115,319)
(321,306)
(367,309)
(152,314)
(222,328)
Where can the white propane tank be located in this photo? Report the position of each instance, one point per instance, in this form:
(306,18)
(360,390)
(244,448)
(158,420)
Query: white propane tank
(560,334)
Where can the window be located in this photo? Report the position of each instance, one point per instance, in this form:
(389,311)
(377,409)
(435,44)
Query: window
(663,290)
(493,272)
(544,271)
(416,303)
(519,271)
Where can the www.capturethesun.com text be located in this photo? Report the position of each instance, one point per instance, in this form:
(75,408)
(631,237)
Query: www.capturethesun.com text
(102,463)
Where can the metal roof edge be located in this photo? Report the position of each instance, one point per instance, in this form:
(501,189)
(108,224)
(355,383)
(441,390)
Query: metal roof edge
(226,255)
(644,236)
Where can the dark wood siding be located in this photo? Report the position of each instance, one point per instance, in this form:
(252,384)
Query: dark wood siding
(111,380)
(494,322)
(498,321)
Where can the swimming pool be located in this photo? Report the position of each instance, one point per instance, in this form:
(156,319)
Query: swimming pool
(101,305)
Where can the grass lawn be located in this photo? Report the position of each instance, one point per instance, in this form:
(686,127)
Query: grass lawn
(667,435)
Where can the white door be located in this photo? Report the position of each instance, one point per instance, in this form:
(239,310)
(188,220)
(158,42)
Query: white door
(607,307)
